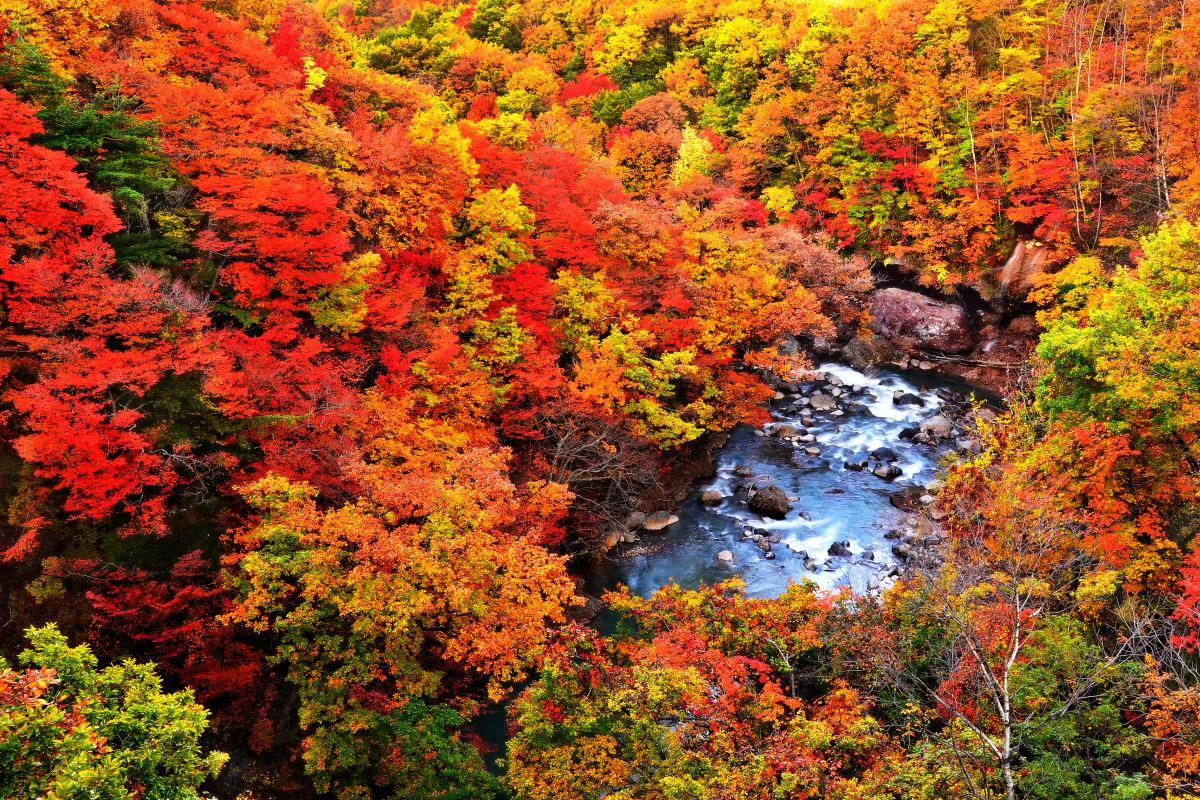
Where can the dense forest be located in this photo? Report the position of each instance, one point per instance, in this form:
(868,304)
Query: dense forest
(337,339)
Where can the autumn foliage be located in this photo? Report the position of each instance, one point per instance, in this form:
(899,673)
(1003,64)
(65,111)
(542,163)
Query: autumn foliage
(331,332)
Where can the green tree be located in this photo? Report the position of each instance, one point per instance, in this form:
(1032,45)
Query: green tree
(373,606)
(1128,355)
(72,731)
(118,151)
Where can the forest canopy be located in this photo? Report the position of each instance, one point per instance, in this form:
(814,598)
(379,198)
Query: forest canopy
(337,337)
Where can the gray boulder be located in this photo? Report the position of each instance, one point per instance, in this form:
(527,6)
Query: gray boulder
(889,472)
(770,502)
(839,549)
(865,352)
(822,402)
(784,431)
(939,427)
(885,454)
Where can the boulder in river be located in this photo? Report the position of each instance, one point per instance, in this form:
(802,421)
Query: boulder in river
(822,402)
(659,520)
(839,549)
(907,399)
(864,352)
(885,454)
(725,556)
(856,463)
(916,322)
(743,471)
(889,472)
(939,427)
(785,431)
(770,502)
(711,497)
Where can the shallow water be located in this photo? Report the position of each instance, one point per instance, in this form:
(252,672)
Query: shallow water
(832,503)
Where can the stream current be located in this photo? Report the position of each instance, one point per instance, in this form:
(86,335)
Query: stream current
(830,502)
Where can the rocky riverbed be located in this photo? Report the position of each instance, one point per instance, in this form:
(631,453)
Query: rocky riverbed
(838,488)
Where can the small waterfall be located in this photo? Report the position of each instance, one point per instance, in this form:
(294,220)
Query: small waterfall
(1020,266)
(1011,266)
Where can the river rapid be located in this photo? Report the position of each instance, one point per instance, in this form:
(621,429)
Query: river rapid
(841,525)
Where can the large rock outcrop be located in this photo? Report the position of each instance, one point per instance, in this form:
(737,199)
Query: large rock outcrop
(913,321)
(912,331)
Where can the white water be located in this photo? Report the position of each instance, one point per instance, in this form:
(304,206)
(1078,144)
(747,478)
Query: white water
(832,503)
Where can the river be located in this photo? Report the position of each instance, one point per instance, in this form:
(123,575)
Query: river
(831,502)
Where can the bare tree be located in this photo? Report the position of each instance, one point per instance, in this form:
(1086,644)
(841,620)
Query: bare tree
(1174,718)
(990,597)
(608,469)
